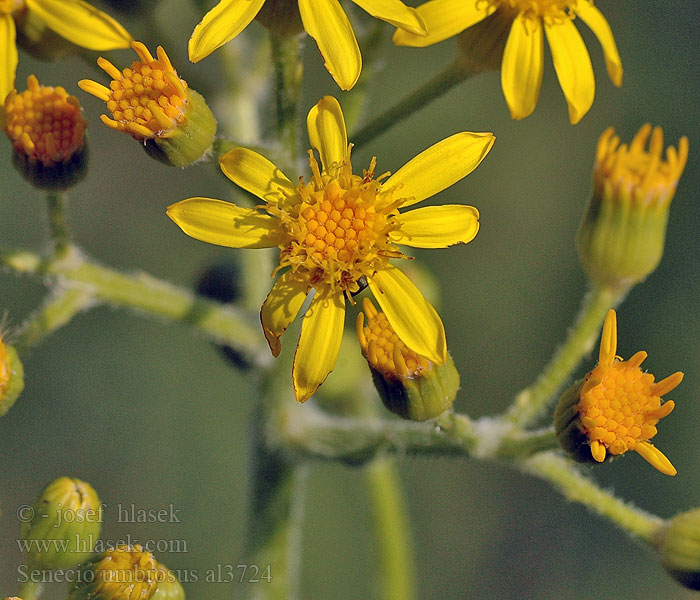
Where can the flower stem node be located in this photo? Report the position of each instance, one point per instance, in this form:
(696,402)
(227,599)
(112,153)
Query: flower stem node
(47,130)
(65,523)
(151,103)
(680,548)
(615,408)
(410,385)
(621,238)
(121,573)
(11,377)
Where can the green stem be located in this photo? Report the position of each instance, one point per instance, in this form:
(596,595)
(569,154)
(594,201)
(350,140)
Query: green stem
(58,223)
(393,531)
(30,590)
(454,74)
(286,51)
(358,440)
(532,401)
(56,312)
(562,473)
(222,323)
(277,492)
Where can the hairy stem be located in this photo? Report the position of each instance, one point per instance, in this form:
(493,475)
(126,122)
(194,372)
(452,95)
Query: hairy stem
(58,223)
(288,71)
(454,74)
(56,312)
(222,323)
(564,476)
(532,401)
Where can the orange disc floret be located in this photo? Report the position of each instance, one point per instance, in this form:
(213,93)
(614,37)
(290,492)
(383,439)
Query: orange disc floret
(147,100)
(44,123)
(337,226)
(383,349)
(618,405)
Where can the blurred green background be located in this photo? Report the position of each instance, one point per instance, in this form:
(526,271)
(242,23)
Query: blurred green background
(151,414)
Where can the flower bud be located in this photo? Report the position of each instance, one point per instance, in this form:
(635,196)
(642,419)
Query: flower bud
(150,102)
(615,408)
(169,587)
(47,129)
(11,377)
(410,385)
(65,524)
(621,238)
(680,548)
(121,573)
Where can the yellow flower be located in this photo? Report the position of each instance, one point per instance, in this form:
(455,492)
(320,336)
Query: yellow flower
(523,57)
(617,407)
(323,20)
(4,368)
(151,103)
(45,123)
(337,231)
(78,22)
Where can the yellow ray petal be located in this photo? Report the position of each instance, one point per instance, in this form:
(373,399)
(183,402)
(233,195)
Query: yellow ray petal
(573,66)
(437,226)
(443,19)
(8,49)
(224,224)
(255,174)
(413,318)
(325,21)
(440,166)
(592,17)
(663,411)
(637,359)
(81,23)
(396,13)
(327,132)
(666,385)
(523,64)
(655,458)
(319,343)
(220,25)
(281,307)
(598,451)
(608,340)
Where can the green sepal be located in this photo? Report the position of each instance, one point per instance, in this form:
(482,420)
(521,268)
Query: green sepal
(188,142)
(680,548)
(419,398)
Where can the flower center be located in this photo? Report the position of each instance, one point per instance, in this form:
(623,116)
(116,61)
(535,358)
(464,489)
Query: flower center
(337,227)
(552,10)
(383,348)
(637,172)
(146,100)
(125,573)
(7,7)
(619,406)
(44,122)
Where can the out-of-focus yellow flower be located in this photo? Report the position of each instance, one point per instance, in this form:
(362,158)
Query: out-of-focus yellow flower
(323,20)
(44,123)
(617,407)
(622,235)
(78,22)
(524,22)
(150,102)
(337,231)
(11,377)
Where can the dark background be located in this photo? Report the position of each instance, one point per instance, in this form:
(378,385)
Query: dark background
(151,415)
